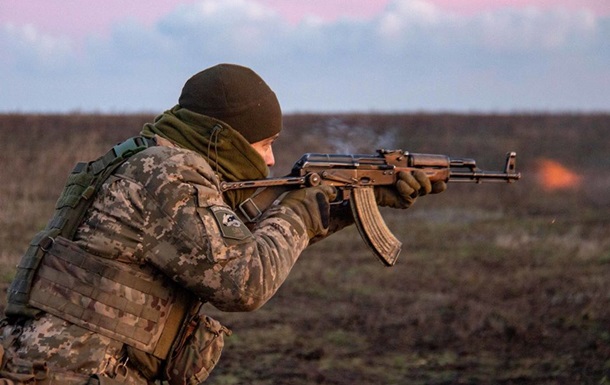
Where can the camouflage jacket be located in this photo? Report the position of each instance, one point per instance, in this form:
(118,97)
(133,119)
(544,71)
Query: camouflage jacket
(163,208)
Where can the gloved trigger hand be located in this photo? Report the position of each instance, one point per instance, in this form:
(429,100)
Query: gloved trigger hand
(312,205)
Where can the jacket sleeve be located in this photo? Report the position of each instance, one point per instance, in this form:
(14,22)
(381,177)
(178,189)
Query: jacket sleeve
(190,234)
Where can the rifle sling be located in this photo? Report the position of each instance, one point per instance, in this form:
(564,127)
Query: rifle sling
(252,208)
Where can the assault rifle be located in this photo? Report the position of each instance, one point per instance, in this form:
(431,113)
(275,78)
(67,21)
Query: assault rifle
(355,176)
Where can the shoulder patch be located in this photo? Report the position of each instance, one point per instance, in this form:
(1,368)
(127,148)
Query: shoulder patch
(230,225)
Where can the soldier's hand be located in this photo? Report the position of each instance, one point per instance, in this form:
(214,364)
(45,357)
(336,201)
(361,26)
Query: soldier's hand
(408,186)
(312,204)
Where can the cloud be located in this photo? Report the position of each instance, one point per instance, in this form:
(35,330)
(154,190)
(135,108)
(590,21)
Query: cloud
(413,55)
(502,30)
(402,17)
(213,27)
(26,48)
(533,29)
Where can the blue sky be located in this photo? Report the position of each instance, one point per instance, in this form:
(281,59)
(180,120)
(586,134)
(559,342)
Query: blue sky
(403,55)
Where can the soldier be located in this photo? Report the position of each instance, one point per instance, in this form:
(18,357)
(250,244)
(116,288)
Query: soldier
(110,291)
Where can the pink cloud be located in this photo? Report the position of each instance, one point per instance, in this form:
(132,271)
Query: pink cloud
(77,18)
(599,7)
(327,10)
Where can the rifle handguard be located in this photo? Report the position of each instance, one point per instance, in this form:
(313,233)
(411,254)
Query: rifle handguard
(372,227)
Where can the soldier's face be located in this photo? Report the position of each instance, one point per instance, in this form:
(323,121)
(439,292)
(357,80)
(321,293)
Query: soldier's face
(265,149)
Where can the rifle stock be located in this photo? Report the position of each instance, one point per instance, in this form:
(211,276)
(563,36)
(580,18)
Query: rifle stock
(355,176)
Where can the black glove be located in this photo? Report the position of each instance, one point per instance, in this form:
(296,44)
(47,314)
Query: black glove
(312,204)
(407,188)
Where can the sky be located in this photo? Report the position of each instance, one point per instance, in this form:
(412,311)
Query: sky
(121,56)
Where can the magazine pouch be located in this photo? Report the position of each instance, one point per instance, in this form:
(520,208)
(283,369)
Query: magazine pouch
(196,352)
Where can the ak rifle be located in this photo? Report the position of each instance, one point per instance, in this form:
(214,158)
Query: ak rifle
(355,176)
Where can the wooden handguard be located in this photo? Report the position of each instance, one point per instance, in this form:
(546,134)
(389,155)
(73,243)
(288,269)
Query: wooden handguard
(372,227)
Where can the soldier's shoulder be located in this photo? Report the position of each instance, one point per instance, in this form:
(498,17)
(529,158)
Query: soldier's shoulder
(167,160)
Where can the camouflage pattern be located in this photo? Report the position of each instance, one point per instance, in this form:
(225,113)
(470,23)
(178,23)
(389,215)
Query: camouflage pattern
(163,209)
(136,305)
(198,352)
(159,210)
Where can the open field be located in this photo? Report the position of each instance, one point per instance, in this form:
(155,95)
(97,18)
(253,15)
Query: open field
(496,284)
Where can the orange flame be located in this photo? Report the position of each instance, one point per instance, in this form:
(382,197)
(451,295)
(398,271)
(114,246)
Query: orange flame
(554,176)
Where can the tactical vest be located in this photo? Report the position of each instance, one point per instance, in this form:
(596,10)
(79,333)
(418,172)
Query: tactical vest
(111,298)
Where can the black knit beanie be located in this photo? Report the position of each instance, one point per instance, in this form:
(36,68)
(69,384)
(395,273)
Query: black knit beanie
(237,96)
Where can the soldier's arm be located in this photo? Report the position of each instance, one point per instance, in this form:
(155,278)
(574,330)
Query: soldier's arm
(193,237)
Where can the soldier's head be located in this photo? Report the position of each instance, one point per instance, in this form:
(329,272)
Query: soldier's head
(239,97)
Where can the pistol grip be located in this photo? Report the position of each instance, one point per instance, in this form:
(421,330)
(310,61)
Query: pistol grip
(372,227)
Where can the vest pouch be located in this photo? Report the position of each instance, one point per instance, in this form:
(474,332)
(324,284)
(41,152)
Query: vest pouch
(196,352)
(132,304)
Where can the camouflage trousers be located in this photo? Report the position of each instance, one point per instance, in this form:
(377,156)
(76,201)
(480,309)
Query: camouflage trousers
(15,370)
(22,372)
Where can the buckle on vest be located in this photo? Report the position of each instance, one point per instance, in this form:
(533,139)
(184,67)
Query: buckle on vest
(250,210)
(131,145)
(46,244)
